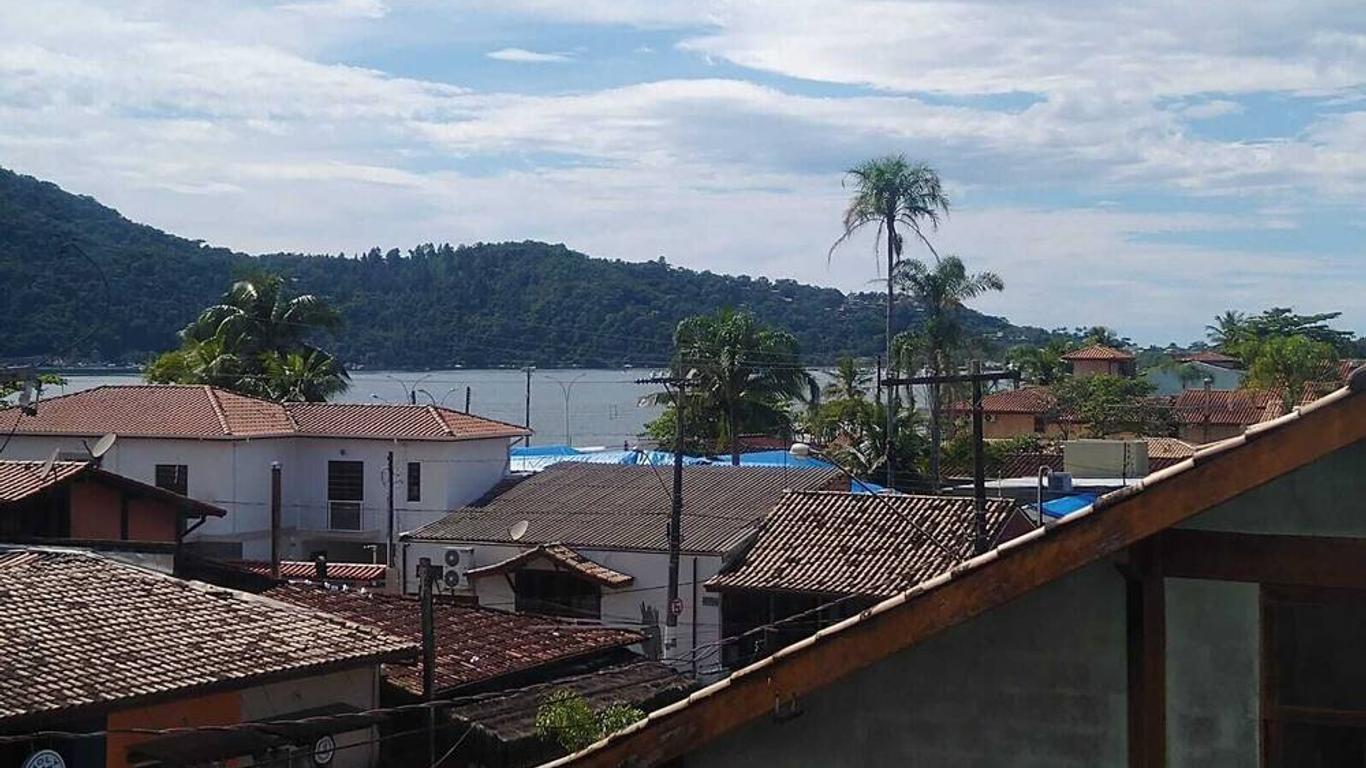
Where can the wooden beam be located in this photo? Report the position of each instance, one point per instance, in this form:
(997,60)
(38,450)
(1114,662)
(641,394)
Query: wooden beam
(904,621)
(1316,561)
(1147,647)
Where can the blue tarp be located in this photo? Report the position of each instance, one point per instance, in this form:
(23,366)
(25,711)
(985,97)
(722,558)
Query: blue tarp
(1068,504)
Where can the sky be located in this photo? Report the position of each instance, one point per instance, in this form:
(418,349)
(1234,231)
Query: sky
(1141,165)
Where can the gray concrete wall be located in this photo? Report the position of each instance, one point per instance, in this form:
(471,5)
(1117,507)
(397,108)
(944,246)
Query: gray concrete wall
(1213,673)
(1039,682)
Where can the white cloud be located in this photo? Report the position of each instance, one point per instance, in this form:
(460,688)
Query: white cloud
(523,56)
(341,9)
(1206,110)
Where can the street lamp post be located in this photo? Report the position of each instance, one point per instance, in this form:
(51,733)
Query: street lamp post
(567,388)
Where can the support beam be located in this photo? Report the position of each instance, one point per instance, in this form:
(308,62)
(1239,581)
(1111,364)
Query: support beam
(1147,655)
(1311,561)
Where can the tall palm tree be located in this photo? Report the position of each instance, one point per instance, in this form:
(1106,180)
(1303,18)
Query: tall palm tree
(307,376)
(257,316)
(741,372)
(941,292)
(850,381)
(890,192)
(1227,328)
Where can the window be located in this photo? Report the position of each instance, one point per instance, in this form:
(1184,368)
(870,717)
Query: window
(1039,425)
(556,593)
(345,492)
(173,477)
(414,481)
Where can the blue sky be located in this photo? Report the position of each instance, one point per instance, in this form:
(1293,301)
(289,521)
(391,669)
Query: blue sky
(1139,165)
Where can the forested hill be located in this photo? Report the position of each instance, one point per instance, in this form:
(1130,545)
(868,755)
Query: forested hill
(432,306)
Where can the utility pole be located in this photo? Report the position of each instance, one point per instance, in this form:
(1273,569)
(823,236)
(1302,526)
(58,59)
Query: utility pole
(425,577)
(467,399)
(976,376)
(887,437)
(1209,382)
(389,542)
(526,422)
(675,606)
(275,521)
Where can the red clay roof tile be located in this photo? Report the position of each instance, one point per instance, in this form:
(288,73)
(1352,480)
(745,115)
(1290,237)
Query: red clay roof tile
(1098,352)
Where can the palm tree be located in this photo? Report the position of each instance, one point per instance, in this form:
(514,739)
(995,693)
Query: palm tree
(891,192)
(256,316)
(741,374)
(849,383)
(1105,337)
(940,292)
(1227,328)
(308,376)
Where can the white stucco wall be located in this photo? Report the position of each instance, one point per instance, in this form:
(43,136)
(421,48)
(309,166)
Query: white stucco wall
(235,475)
(358,688)
(620,607)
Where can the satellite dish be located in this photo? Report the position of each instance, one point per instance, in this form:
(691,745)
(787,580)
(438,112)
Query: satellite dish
(47,465)
(103,445)
(518,530)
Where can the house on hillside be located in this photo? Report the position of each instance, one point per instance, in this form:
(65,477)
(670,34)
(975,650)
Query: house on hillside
(1010,413)
(1206,416)
(1211,614)
(89,645)
(1100,359)
(218,447)
(590,542)
(80,502)
(853,549)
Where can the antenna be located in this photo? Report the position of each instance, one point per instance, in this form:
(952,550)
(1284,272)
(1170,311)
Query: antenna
(47,465)
(103,445)
(518,529)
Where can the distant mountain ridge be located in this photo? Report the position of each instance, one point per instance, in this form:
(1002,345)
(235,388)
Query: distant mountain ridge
(479,305)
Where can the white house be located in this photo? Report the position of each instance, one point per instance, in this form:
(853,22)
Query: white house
(590,542)
(219,447)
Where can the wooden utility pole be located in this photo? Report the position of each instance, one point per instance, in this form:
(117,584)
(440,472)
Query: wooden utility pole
(976,376)
(675,606)
(425,577)
(389,543)
(526,421)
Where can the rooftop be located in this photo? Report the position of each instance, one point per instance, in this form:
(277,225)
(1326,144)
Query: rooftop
(1098,352)
(842,543)
(305,570)
(1210,356)
(472,644)
(563,558)
(81,632)
(1227,407)
(205,412)
(1030,400)
(22,480)
(614,506)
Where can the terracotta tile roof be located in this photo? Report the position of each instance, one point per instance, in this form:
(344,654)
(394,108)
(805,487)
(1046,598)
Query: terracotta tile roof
(1169,448)
(849,543)
(20,480)
(370,573)
(1098,352)
(77,630)
(472,644)
(562,557)
(614,506)
(203,412)
(1021,464)
(385,421)
(644,685)
(1227,407)
(1031,400)
(1207,356)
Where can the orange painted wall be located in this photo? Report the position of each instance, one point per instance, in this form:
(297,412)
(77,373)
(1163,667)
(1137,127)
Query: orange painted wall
(1004,425)
(214,709)
(95,514)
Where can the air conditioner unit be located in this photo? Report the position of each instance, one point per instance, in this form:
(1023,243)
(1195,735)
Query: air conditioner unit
(988,417)
(456,561)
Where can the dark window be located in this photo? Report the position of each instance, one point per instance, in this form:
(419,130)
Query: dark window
(173,477)
(345,492)
(414,481)
(1039,426)
(556,593)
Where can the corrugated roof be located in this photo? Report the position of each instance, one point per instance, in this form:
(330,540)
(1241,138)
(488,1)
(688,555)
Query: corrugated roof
(843,543)
(613,506)
(1098,352)
(204,412)
(1227,407)
(472,644)
(79,630)
(562,557)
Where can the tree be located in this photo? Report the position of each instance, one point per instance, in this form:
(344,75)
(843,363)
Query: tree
(1226,328)
(742,377)
(1286,364)
(1281,322)
(1105,337)
(850,381)
(941,292)
(257,340)
(570,720)
(1040,365)
(1109,405)
(891,192)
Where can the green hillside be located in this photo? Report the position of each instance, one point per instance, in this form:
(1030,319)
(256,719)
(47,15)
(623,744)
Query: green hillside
(430,307)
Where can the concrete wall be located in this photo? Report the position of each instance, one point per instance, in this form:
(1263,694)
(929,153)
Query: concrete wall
(235,475)
(1039,682)
(628,607)
(1005,425)
(358,688)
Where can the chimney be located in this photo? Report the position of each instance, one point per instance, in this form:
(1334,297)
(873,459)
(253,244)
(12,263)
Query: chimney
(320,567)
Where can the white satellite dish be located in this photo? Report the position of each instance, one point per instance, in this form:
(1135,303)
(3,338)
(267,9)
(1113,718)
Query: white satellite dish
(518,530)
(47,465)
(103,445)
